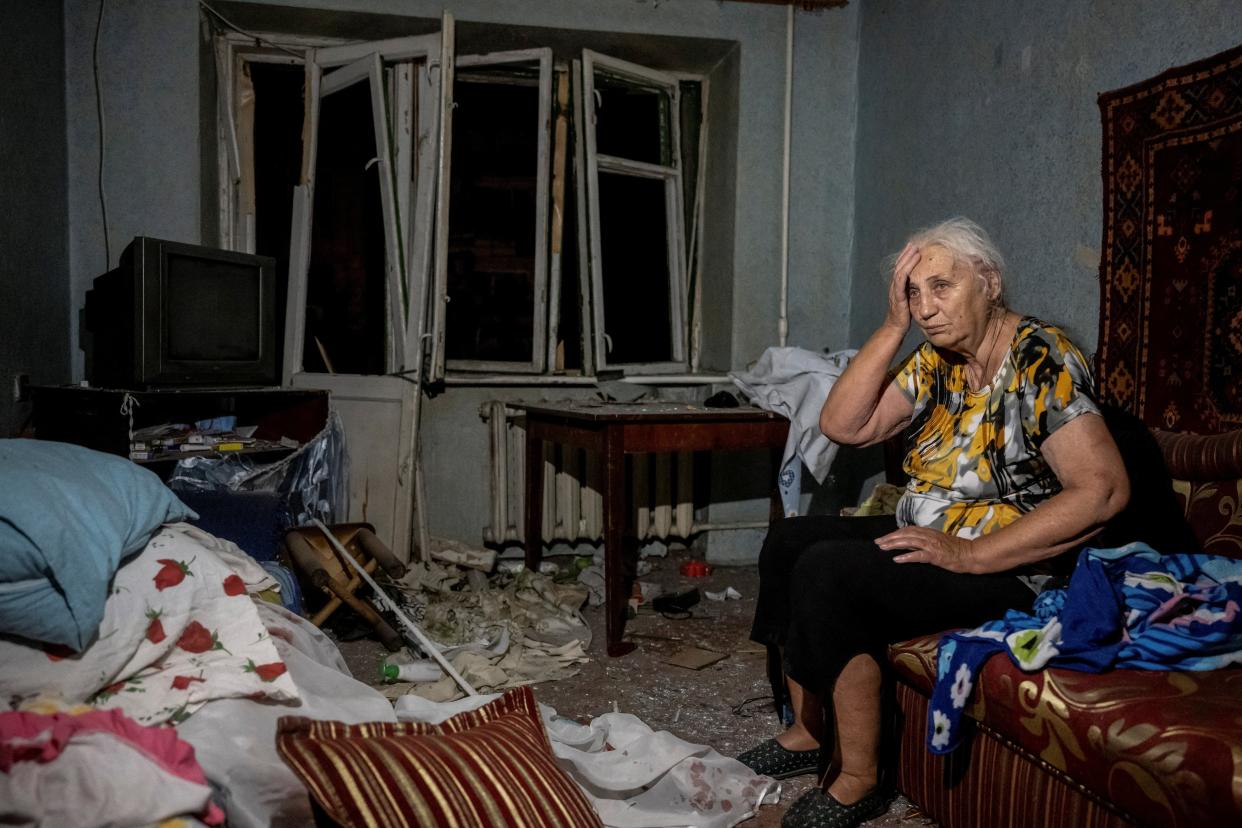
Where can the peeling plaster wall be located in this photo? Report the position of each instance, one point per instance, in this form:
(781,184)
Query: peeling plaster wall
(34,272)
(989,110)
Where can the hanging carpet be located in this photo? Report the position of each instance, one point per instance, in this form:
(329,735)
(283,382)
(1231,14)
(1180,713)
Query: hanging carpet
(1170,346)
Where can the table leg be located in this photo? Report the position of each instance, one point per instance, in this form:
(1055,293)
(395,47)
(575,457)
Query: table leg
(534,501)
(616,520)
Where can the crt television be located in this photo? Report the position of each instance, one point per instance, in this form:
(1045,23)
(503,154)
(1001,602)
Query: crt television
(174,314)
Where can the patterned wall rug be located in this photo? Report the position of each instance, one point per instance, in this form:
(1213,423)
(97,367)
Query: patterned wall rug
(1171,270)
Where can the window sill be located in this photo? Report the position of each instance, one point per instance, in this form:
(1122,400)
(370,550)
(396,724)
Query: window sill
(465,380)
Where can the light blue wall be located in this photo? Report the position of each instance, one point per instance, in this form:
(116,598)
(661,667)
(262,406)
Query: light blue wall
(34,272)
(988,109)
(148,78)
(905,112)
(151,78)
(822,180)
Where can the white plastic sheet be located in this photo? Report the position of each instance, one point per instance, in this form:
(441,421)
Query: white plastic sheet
(235,739)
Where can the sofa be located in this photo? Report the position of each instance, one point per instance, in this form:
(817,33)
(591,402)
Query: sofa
(1127,747)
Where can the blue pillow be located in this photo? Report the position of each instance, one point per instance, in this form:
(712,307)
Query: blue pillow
(68,517)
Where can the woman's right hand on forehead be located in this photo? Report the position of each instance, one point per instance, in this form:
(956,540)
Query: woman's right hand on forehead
(898,298)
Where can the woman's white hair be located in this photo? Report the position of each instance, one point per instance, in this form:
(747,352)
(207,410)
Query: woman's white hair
(968,242)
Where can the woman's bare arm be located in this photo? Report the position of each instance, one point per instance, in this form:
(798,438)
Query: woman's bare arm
(1095,487)
(864,406)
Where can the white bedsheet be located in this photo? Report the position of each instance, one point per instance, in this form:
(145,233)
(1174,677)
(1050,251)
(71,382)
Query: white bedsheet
(182,641)
(235,739)
(634,776)
(179,630)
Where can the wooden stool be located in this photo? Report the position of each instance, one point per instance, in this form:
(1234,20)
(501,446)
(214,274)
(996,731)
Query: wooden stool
(316,560)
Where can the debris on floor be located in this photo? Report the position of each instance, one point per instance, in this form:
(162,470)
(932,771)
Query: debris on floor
(498,632)
(725,704)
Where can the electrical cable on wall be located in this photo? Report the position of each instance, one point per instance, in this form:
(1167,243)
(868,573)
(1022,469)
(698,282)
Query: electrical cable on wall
(257,39)
(782,322)
(99,115)
(128,402)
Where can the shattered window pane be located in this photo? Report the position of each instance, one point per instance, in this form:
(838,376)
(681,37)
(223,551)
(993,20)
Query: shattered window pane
(632,121)
(633,222)
(492,222)
(346,319)
(278,114)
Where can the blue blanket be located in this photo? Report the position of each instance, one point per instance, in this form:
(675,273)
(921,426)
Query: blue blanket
(1129,607)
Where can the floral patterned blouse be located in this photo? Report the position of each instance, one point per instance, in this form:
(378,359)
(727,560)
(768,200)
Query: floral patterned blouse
(973,457)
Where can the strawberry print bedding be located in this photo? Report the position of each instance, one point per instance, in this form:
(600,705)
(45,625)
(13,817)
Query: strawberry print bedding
(179,630)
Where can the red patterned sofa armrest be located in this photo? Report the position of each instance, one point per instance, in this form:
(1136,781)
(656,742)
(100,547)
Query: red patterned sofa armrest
(1201,456)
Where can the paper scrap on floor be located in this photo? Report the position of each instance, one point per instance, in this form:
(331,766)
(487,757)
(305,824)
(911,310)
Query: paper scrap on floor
(500,632)
(726,594)
(693,658)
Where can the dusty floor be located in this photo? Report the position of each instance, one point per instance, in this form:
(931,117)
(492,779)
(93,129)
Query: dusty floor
(726,705)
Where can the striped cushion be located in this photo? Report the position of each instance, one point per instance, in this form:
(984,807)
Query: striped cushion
(488,767)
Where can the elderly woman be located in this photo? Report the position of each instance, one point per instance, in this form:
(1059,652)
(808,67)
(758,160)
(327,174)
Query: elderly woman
(1010,469)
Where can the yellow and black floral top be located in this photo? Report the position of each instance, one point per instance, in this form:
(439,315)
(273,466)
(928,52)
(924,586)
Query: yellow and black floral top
(973,457)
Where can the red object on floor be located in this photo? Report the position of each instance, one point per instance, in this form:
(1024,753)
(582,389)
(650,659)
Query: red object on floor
(695,569)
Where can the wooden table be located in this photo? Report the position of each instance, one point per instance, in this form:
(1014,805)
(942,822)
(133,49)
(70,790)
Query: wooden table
(615,430)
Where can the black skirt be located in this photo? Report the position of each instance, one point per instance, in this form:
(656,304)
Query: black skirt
(827,593)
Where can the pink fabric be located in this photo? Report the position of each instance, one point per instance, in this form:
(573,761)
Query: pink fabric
(35,737)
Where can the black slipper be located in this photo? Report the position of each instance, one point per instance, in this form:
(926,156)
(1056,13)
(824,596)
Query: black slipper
(771,759)
(817,809)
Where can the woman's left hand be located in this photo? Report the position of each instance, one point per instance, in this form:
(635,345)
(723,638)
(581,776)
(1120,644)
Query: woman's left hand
(923,545)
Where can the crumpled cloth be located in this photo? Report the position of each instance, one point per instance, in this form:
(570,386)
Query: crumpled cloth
(98,767)
(794,382)
(235,739)
(634,776)
(1128,607)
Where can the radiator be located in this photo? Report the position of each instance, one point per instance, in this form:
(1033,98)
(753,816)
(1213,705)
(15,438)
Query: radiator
(573,508)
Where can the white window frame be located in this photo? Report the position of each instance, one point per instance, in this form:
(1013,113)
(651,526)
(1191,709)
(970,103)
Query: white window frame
(370,69)
(407,244)
(670,175)
(391,483)
(418,146)
(235,125)
(537,361)
(420,211)
(583,226)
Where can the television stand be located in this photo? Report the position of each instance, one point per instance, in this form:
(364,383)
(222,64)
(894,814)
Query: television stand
(94,417)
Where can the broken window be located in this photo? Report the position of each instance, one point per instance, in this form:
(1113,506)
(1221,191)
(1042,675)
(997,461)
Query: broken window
(549,235)
(634,210)
(358,257)
(498,216)
(346,277)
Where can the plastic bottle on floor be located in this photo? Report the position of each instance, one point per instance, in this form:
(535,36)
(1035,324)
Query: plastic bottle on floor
(401,666)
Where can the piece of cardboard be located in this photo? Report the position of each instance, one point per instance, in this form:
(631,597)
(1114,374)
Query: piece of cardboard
(745,645)
(694,658)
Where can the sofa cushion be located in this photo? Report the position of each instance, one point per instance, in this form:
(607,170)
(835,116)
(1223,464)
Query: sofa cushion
(1206,474)
(1214,510)
(1160,745)
(491,766)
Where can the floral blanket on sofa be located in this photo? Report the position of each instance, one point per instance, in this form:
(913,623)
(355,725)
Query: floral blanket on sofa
(1129,607)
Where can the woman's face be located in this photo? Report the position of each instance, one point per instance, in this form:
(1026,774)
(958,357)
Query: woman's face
(949,301)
